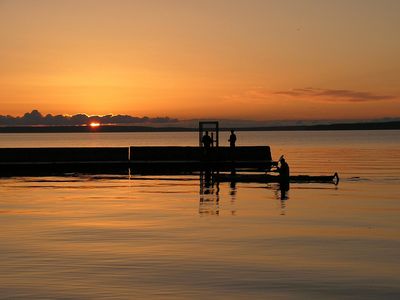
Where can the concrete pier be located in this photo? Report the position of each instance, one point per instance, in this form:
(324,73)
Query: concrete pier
(167,158)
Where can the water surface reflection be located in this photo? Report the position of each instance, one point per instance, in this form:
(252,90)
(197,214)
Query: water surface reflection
(209,194)
(123,237)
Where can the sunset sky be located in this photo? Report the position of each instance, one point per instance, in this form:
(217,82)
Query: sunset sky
(250,59)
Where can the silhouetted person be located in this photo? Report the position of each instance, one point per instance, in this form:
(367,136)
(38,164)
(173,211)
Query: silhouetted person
(206,140)
(284,172)
(232,139)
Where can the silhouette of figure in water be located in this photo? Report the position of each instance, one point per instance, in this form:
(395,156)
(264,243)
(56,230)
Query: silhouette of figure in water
(206,140)
(233,182)
(284,188)
(284,172)
(232,139)
(207,181)
(284,179)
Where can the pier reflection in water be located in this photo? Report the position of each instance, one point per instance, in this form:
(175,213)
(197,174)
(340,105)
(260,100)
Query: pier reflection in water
(86,236)
(209,194)
(209,204)
(105,237)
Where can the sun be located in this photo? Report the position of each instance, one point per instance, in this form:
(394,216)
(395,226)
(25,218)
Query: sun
(94,124)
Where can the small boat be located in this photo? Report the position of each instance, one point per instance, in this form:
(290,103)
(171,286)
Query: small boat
(268,178)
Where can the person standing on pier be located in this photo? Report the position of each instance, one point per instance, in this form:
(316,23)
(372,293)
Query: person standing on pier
(232,139)
(206,140)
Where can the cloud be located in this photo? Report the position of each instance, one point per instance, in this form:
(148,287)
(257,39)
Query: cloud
(254,94)
(36,118)
(334,95)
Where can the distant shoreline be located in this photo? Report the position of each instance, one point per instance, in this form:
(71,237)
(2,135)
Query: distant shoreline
(393,125)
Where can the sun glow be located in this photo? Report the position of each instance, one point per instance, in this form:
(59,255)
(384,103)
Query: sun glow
(94,124)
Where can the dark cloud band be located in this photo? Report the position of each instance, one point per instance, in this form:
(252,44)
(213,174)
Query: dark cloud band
(36,118)
(335,95)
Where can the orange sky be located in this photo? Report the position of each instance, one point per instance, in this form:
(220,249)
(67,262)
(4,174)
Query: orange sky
(249,59)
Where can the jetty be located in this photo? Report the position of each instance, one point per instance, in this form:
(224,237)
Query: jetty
(232,163)
(156,158)
(166,158)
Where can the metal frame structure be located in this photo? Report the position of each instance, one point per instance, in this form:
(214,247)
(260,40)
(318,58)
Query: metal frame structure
(212,127)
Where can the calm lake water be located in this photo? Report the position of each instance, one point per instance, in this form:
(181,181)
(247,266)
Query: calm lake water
(166,237)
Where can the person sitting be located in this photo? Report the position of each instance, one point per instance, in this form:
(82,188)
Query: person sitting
(232,139)
(206,140)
